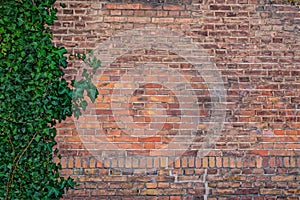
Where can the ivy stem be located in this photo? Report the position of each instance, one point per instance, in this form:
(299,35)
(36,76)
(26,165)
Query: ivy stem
(13,121)
(16,161)
(10,141)
(33,2)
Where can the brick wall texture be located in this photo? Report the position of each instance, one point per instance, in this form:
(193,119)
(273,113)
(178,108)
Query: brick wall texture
(198,99)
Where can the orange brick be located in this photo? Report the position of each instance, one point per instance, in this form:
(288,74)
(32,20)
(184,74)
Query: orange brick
(149,146)
(291,132)
(177,163)
(293,162)
(110,6)
(191,162)
(205,162)
(149,139)
(282,178)
(70,162)
(115,19)
(63,162)
(67,172)
(184,162)
(232,162)
(163,20)
(212,162)
(279,132)
(125,139)
(259,161)
(175,197)
(75,138)
(128,6)
(260,152)
(225,162)
(218,162)
(271,191)
(172,7)
(80,193)
(139,19)
(99,164)
(115,178)
(77,162)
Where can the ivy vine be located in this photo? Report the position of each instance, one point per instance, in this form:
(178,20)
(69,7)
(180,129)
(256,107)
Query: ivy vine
(34,96)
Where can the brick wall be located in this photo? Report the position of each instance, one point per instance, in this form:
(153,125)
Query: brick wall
(198,100)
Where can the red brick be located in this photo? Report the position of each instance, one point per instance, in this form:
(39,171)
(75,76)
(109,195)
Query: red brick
(282,178)
(260,152)
(110,6)
(145,7)
(115,19)
(139,19)
(125,139)
(224,191)
(247,191)
(128,6)
(172,7)
(163,20)
(217,7)
(149,139)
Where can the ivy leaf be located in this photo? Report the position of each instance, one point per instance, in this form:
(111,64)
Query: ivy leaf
(92,93)
(62,5)
(83,104)
(37,138)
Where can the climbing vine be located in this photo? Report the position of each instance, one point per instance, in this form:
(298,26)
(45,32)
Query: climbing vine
(34,96)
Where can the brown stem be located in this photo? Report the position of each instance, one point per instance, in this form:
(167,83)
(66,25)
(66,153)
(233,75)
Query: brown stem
(16,161)
(33,2)
(10,141)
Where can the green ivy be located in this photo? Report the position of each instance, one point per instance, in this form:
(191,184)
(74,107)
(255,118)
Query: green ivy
(33,97)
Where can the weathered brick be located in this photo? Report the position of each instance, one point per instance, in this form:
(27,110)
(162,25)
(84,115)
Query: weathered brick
(128,6)
(218,7)
(172,7)
(247,191)
(224,191)
(139,19)
(163,20)
(270,191)
(282,178)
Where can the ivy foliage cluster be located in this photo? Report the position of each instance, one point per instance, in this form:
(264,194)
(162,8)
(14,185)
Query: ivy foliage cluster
(33,97)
